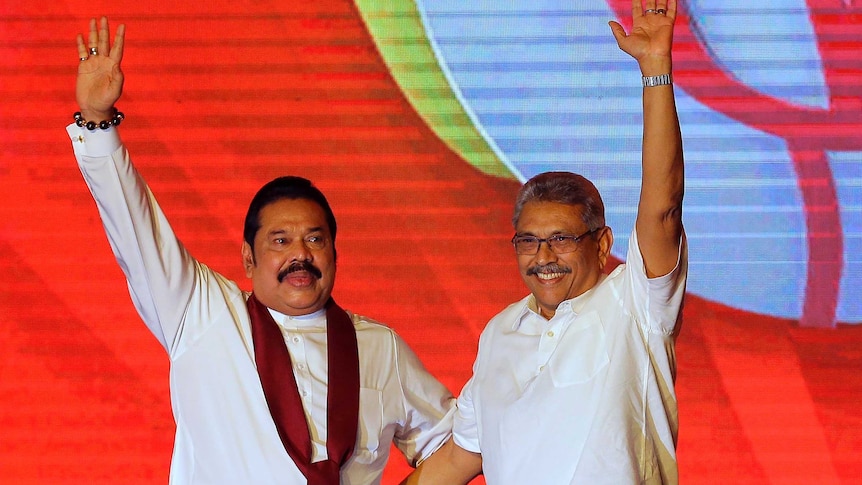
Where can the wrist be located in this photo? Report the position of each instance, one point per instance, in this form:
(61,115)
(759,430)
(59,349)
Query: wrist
(655,65)
(97,115)
(660,80)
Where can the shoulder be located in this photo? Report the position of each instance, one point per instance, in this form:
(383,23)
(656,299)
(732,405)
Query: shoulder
(504,321)
(514,310)
(370,325)
(635,261)
(375,336)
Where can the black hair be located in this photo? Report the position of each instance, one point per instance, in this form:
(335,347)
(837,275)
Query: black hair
(288,187)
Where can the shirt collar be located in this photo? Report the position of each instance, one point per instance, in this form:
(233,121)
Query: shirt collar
(572,306)
(316,319)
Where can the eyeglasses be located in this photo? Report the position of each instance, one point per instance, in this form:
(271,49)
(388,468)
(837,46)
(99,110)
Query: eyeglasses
(559,243)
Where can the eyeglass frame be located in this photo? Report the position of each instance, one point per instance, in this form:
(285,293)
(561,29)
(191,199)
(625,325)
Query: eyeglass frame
(554,237)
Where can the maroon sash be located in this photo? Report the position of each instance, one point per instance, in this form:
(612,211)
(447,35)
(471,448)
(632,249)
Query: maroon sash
(282,396)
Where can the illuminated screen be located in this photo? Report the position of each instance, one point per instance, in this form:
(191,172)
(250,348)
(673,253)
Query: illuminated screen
(420,120)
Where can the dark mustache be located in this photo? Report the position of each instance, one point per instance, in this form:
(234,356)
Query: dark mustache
(299,266)
(548,268)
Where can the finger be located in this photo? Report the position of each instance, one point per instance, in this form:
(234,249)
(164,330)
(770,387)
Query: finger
(117,48)
(93,42)
(661,7)
(82,48)
(671,8)
(650,5)
(637,9)
(104,36)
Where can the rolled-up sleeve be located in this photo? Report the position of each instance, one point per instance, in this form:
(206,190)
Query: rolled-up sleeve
(429,407)
(465,429)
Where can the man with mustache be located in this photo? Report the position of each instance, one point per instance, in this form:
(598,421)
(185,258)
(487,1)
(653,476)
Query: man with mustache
(574,383)
(277,386)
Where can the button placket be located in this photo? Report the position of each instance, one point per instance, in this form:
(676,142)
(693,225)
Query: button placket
(296,346)
(549,339)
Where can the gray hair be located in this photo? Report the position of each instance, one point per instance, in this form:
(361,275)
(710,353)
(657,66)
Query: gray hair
(563,188)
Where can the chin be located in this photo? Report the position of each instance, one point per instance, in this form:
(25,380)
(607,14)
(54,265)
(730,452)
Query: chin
(309,302)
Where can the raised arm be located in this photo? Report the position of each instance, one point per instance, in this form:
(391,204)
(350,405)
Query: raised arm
(659,217)
(161,275)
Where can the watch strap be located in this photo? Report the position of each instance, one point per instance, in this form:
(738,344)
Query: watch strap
(660,80)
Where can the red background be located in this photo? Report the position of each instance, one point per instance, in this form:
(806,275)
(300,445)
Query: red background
(223,96)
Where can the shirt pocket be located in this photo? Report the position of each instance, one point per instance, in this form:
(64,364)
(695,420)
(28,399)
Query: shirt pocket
(582,352)
(370,424)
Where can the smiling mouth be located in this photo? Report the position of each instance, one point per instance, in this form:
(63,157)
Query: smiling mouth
(549,276)
(549,272)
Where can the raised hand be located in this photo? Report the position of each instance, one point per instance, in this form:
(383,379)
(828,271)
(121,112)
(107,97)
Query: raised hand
(100,80)
(652,34)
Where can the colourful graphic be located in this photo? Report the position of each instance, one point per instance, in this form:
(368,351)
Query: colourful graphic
(769,101)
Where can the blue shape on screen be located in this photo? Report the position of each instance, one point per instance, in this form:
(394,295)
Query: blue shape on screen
(547,84)
(847,170)
(785,63)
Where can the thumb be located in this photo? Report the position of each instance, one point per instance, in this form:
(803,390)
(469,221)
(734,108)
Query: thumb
(116,75)
(618,31)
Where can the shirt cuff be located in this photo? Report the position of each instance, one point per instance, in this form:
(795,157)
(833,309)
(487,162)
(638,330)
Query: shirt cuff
(96,143)
(465,430)
(468,444)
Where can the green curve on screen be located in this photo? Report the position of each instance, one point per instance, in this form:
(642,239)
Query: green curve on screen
(399,34)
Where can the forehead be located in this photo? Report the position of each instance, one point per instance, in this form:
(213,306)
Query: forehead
(292,215)
(542,218)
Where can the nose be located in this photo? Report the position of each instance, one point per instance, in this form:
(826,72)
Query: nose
(545,253)
(299,251)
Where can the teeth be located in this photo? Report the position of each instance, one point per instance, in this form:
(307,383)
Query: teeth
(548,276)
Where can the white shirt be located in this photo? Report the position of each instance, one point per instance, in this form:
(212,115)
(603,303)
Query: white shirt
(583,398)
(225,433)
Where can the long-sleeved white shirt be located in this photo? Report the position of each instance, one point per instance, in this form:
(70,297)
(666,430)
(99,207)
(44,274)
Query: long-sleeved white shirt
(225,433)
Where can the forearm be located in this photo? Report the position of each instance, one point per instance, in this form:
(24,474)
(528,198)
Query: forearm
(159,272)
(450,465)
(662,141)
(662,158)
(659,221)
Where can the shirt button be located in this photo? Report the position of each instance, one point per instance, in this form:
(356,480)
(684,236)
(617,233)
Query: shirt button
(296,340)
(304,392)
(541,368)
(550,333)
(301,366)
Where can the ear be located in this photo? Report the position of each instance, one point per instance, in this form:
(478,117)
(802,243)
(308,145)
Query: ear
(247,259)
(605,242)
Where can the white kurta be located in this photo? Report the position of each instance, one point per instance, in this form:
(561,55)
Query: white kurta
(586,397)
(225,434)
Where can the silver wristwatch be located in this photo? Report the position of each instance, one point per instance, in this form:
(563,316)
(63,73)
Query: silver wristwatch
(660,80)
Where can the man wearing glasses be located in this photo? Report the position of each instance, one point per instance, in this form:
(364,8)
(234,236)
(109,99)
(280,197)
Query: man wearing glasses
(574,383)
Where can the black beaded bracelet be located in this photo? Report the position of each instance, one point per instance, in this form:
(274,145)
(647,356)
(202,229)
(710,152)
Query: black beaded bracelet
(104,124)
